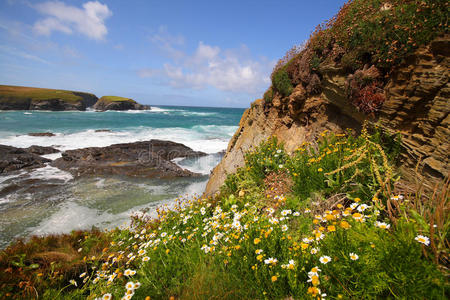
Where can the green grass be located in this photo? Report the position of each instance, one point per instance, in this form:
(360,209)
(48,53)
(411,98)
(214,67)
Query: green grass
(19,93)
(115,99)
(338,202)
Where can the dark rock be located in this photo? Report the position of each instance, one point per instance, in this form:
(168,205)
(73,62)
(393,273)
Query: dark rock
(41,150)
(103,130)
(118,103)
(41,134)
(139,159)
(12,158)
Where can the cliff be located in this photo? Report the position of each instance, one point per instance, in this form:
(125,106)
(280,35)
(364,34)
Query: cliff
(29,98)
(416,104)
(118,103)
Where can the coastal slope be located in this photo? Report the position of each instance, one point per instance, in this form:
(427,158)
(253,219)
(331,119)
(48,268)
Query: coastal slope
(30,98)
(317,88)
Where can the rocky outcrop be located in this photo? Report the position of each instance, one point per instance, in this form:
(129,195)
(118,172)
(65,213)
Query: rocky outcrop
(41,150)
(41,134)
(12,159)
(139,159)
(118,103)
(416,105)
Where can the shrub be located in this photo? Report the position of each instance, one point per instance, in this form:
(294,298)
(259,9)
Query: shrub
(268,95)
(281,82)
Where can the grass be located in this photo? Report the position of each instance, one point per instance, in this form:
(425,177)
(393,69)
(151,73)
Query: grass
(325,220)
(18,93)
(115,99)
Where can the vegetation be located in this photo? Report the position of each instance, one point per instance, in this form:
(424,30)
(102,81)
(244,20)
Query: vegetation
(325,221)
(375,33)
(115,99)
(19,94)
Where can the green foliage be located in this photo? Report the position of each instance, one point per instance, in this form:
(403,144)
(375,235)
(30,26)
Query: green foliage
(281,82)
(380,32)
(268,95)
(314,63)
(115,99)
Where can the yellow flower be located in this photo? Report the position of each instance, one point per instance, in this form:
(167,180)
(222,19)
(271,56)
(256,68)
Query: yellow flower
(319,170)
(259,257)
(274,278)
(345,225)
(167,251)
(331,228)
(357,199)
(256,241)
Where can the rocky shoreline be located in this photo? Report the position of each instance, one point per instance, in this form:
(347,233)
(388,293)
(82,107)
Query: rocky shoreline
(149,159)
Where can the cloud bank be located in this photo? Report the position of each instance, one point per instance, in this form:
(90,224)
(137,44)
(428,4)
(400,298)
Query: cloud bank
(229,70)
(88,20)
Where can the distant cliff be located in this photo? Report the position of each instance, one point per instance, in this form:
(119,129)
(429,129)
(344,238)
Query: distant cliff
(29,98)
(118,103)
(387,65)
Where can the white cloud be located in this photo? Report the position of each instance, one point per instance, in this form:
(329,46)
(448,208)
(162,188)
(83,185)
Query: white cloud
(88,20)
(224,70)
(168,43)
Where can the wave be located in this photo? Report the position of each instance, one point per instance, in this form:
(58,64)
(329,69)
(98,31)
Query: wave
(206,138)
(51,173)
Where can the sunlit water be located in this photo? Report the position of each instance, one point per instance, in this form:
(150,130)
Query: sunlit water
(48,200)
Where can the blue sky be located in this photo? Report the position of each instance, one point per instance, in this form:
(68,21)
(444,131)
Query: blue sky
(201,53)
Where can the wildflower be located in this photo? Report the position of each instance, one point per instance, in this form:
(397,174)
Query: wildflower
(129,285)
(358,217)
(107,297)
(296,214)
(307,210)
(423,239)
(382,225)
(280,166)
(259,251)
(256,241)
(363,207)
(357,199)
(145,258)
(203,211)
(286,212)
(73,282)
(396,198)
(319,170)
(314,250)
(331,228)
(353,256)
(354,205)
(259,257)
(163,234)
(325,259)
(344,224)
(82,275)
(313,291)
(274,278)
(284,227)
(129,272)
(271,261)
(137,285)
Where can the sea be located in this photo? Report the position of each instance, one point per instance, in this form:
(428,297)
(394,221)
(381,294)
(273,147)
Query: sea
(50,201)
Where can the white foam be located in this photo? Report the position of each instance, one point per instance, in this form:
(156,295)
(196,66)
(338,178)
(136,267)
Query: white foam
(49,172)
(52,156)
(72,216)
(27,113)
(203,165)
(206,138)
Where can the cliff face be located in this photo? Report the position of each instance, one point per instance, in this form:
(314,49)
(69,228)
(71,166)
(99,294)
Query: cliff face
(416,105)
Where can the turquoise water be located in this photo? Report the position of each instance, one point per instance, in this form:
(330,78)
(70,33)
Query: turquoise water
(48,200)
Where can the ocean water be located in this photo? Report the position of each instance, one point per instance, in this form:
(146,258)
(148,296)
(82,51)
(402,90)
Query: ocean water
(48,200)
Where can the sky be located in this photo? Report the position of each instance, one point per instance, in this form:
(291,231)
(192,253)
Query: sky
(191,53)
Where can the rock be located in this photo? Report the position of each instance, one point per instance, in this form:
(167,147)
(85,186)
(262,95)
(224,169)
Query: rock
(12,159)
(118,103)
(139,159)
(41,134)
(103,130)
(41,150)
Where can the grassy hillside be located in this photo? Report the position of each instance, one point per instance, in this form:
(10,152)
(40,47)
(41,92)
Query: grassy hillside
(10,93)
(328,221)
(115,99)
